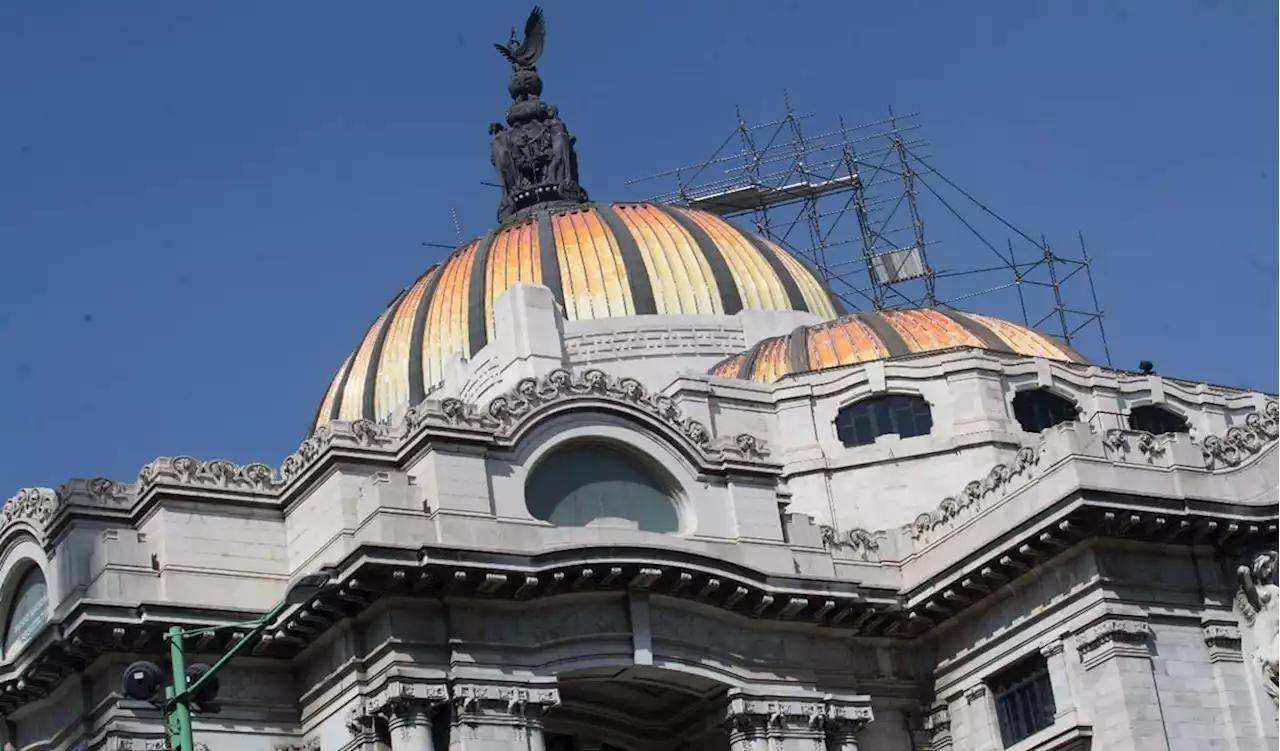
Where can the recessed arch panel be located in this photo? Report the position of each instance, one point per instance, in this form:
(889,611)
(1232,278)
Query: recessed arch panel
(586,483)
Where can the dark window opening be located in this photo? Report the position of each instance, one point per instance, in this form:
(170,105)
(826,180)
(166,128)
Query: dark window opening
(862,423)
(1157,420)
(1041,409)
(1024,702)
(590,484)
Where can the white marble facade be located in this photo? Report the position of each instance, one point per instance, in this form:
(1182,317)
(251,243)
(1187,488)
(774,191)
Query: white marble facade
(807,595)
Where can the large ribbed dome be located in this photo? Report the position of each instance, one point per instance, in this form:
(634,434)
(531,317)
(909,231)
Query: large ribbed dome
(599,260)
(863,337)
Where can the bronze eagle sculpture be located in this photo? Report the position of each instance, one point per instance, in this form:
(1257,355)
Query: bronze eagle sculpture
(523,55)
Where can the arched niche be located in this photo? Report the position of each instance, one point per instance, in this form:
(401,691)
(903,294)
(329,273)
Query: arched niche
(592,482)
(25,597)
(650,461)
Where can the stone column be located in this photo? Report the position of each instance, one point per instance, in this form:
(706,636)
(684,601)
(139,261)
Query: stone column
(796,722)
(489,717)
(407,709)
(845,719)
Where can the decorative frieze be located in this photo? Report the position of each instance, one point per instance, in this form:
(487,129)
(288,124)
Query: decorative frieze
(999,478)
(310,744)
(1260,428)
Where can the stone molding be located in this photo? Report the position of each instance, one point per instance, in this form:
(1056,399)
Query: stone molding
(1260,429)
(1113,637)
(751,716)
(968,502)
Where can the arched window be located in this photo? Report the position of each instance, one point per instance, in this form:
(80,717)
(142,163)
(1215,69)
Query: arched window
(593,484)
(862,423)
(28,609)
(1157,420)
(1041,409)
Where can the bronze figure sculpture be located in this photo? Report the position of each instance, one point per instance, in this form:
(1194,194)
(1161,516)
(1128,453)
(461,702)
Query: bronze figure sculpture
(535,155)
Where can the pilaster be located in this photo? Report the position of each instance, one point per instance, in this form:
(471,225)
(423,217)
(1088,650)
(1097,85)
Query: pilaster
(1119,679)
(983,732)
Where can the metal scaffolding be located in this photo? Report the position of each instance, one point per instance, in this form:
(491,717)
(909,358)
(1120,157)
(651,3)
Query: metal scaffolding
(850,202)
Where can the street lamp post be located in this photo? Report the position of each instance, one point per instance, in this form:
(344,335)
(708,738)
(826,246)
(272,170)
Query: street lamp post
(198,685)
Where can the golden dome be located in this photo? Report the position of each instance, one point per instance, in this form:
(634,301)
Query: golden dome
(599,260)
(862,337)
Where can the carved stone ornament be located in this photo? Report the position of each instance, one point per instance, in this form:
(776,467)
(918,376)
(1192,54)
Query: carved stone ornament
(1242,441)
(1122,441)
(124,743)
(215,473)
(864,545)
(1258,602)
(752,717)
(474,702)
(505,413)
(33,505)
(534,155)
(310,744)
(402,698)
(1112,630)
(998,478)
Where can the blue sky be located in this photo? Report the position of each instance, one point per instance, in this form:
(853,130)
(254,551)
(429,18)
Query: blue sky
(202,206)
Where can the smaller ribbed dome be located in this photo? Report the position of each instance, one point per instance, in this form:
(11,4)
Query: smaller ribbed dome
(863,337)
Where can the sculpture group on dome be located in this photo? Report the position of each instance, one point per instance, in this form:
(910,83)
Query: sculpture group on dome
(534,154)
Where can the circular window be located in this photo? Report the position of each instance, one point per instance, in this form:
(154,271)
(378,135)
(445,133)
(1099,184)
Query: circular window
(593,485)
(29,611)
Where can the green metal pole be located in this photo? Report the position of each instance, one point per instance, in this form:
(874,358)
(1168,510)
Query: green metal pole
(179,709)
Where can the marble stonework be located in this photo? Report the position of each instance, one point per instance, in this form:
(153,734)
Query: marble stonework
(816,596)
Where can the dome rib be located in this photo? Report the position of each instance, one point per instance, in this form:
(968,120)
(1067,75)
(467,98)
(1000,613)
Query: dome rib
(637,271)
(375,358)
(416,374)
(598,261)
(988,337)
(478,332)
(865,336)
(789,285)
(726,283)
